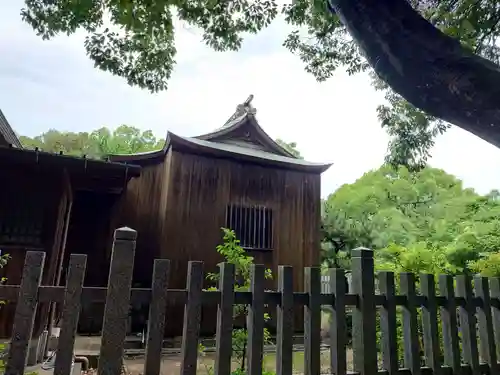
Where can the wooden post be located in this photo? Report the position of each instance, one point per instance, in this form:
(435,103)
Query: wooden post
(338,323)
(467,314)
(24,317)
(410,325)
(388,325)
(285,320)
(70,313)
(255,323)
(192,317)
(485,320)
(117,302)
(451,345)
(224,347)
(364,338)
(312,322)
(430,324)
(495,293)
(157,314)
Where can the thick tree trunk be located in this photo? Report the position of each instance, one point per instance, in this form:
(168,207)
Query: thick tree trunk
(429,69)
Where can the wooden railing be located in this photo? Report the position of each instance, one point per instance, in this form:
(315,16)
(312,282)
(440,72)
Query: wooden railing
(478,311)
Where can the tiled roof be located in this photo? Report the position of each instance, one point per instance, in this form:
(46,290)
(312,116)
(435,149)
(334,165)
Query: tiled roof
(256,153)
(7,135)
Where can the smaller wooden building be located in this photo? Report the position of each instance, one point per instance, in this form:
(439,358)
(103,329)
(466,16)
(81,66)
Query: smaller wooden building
(57,204)
(236,177)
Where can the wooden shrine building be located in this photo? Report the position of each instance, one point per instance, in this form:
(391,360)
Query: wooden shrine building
(58,204)
(236,177)
(177,198)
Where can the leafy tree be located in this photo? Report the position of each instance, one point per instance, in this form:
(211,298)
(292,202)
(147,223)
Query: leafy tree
(97,144)
(139,44)
(423,221)
(291,147)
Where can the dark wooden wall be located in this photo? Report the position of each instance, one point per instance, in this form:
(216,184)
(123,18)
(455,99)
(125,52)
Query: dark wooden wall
(178,208)
(90,232)
(53,197)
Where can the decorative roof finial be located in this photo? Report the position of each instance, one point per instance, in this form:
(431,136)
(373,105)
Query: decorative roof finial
(245,108)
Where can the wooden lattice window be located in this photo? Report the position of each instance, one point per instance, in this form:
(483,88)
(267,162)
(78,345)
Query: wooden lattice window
(253,226)
(21,219)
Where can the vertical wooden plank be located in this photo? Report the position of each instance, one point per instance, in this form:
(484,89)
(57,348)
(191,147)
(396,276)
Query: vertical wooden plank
(495,294)
(388,325)
(430,324)
(255,323)
(223,349)
(338,323)
(192,317)
(285,316)
(364,339)
(468,324)
(410,325)
(485,321)
(157,315)
(451,345)
(117,302)
(70,313)
(312,320)
(25,312)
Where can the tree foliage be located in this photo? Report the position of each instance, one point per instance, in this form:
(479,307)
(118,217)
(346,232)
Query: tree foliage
(96,144)
(233,253)
(136,40)
(99,143)
(423,221)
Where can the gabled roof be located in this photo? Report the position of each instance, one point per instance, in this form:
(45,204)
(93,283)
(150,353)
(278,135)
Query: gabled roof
(241,138)
(245,117)
(7,134)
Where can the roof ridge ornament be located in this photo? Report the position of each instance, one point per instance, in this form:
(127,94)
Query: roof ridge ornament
(242,109)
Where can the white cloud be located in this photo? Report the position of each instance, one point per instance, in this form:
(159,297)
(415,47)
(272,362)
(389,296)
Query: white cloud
(53,84)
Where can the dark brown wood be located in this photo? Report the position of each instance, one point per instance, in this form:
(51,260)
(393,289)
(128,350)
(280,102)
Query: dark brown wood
(192,316)
(364,339)
(485,321)
(338,323)
(430,323)
(255,323)
(179,203)
(39,186)
(388,325)
(117,302)
(495,294)
(410,327)
(223,350)
(312,322)
(467,315)
(448,312)
(25,313)
(284,339)
(157,316)
(70,314)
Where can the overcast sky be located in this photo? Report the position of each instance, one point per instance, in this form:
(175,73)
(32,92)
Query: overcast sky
(54,85)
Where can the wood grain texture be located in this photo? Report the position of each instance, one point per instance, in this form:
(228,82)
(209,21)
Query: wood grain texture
(178,207)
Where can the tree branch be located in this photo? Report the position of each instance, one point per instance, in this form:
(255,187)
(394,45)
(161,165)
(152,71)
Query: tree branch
(429,69)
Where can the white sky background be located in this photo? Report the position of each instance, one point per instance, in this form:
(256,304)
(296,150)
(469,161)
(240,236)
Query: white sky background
(54,85)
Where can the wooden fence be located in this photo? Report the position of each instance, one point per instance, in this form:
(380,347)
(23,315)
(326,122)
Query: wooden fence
(463,354)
